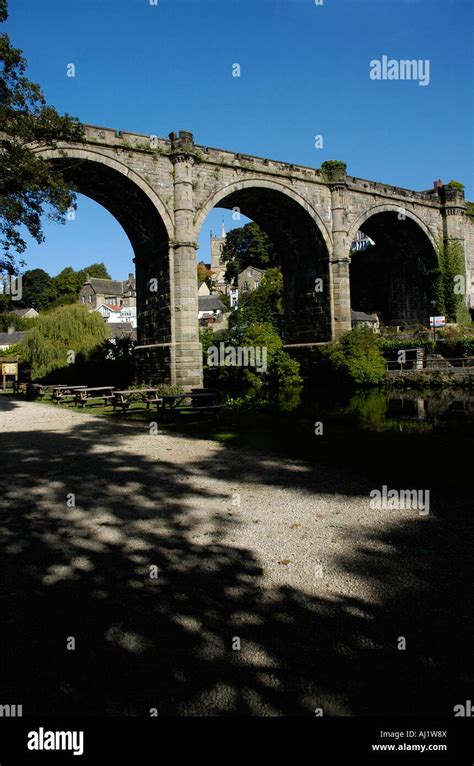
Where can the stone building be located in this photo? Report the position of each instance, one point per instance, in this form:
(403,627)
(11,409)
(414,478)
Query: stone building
(113,292)
(249,279)
(218,267)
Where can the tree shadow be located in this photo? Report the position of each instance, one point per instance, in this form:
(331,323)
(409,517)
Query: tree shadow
(169,642)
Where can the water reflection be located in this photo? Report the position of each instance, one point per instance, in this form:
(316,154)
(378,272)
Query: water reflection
(373,409)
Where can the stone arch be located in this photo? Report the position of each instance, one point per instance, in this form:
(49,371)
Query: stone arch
(389,208)
(149,227)
(93,155)
(255,182)
(302,242)
(396,277)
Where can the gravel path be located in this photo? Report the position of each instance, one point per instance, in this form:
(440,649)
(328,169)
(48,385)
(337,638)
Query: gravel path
(200,579)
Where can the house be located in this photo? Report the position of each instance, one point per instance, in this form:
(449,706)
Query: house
(249,279)
(203,289)
(10,338)
(359,318)
(113,292)
(30,313)
(211,311)
(117,314)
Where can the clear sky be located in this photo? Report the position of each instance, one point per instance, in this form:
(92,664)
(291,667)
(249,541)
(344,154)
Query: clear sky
(304,72)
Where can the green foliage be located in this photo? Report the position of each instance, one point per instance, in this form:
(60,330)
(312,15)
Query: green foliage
(264,305)
(356,357)
(41,291)
(67,328)
(459,347)
(282,369)
(17,350)
(247,246)
(453,266)
(20,324)
(391,346)
(456,185)
(36,289)
(333,170)
(29,186)
(470,210)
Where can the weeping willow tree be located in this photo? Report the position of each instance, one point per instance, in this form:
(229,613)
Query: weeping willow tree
(60,337)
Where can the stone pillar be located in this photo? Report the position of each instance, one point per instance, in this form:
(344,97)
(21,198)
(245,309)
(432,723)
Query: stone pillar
(187,349)
(339,264)
(454,222)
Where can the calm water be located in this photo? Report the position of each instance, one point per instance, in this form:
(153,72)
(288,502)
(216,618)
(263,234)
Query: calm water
(380,410)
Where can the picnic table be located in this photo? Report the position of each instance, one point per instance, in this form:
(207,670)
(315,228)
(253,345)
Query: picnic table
(40,389)
(61,393)
(199,401)
(125,398)
(84,395)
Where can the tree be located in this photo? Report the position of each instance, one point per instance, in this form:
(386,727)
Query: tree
(63,337)
(64,287)
(356,357)
(30,187)
(247,246)
(265,304)
(35,287)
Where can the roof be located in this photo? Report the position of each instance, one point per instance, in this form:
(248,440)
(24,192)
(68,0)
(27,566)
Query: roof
(119,329)
(253,268)
(9,338)
(210,303)
(360,316)
(109,286)
(22,312)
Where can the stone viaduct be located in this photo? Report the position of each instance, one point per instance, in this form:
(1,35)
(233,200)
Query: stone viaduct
(161,191)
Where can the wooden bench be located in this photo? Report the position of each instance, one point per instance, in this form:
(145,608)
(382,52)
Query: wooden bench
(65,393)
(201,401)
(40,389)
(147,396)
(91,395)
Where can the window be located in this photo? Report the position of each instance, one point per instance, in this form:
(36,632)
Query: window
(249,273)
(90,298)
(256,283)
(245,287)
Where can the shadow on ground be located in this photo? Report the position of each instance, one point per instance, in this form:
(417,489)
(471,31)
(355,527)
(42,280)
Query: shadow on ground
(166,643)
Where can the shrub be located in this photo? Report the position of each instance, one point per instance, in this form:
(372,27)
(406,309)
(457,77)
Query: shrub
(356,357)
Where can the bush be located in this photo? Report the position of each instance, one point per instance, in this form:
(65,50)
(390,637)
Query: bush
(356,357)
(281,368)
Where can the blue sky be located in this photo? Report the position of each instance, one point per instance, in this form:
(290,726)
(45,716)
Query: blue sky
(304,72)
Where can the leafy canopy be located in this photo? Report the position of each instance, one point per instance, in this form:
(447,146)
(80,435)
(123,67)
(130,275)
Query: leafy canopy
(30,187)
(247,246)
(54,335)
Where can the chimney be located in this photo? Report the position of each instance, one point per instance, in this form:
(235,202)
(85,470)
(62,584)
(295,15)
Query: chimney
(11,329)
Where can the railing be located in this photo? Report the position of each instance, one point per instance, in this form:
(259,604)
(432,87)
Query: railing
(446,362)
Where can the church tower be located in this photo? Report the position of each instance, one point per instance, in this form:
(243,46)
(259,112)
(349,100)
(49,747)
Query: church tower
(218,266)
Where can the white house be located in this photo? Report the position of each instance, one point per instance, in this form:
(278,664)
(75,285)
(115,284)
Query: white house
(117,314)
